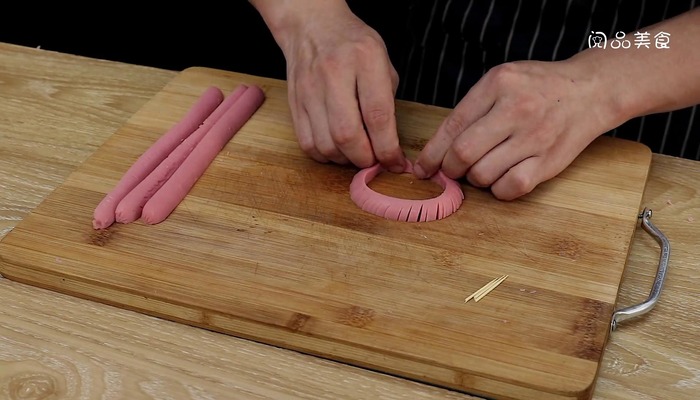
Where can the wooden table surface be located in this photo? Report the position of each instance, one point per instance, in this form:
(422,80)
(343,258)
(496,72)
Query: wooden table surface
(56,109)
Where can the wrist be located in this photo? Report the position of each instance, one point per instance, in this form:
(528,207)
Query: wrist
(609,83)
(287,18)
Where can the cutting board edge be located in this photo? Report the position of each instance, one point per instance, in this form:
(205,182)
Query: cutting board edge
(216,321)
(635,225)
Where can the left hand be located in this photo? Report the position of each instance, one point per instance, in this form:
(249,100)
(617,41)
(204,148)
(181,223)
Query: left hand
(520,125)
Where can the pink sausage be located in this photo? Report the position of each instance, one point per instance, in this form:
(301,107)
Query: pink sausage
(167,198)
(129,208)
(104,216)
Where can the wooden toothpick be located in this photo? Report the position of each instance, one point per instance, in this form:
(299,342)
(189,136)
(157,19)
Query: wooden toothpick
(490,288)
(471,296)
(479,294)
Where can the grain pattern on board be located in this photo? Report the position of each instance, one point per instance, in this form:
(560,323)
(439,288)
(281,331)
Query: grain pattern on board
(269,246)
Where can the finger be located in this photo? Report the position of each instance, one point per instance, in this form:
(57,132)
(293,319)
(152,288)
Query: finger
(394,81)
(520,179)
(376,97)
(468,148)
(345,119)
(324,142)
(526,175)
(476,104)
(302,126)
(498,161)
(306,138)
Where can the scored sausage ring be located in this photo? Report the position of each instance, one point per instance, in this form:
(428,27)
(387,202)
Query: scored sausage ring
(408,210)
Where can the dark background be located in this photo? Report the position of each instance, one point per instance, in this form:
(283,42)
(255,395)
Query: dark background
(174,37)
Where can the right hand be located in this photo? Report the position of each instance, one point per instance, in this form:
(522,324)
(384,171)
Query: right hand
(341,84)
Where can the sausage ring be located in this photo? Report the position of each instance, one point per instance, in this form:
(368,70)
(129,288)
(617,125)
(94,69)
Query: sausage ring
(408,210)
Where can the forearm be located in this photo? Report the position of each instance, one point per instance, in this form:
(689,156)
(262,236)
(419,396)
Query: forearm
(641,81)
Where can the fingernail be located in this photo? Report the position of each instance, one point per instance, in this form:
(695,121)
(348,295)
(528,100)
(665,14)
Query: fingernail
(419,172)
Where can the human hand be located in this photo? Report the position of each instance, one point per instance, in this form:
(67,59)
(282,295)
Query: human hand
(521,124)
(341,85)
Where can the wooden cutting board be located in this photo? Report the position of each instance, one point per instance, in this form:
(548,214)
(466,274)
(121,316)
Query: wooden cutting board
(269,246)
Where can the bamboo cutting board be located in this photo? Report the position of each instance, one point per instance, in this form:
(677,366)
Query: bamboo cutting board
(269,246)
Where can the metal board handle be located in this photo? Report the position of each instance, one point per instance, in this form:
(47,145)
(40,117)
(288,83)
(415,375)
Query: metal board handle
(646,306)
